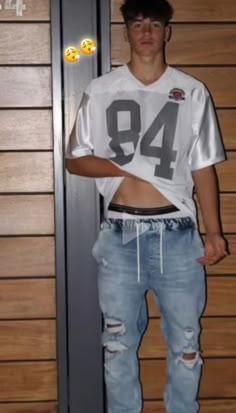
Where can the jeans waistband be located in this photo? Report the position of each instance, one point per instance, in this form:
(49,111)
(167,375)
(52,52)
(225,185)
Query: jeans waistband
(170,224)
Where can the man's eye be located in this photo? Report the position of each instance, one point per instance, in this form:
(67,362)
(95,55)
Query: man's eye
(156,24)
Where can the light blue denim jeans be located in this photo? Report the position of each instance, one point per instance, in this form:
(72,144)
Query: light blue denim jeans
(134,256)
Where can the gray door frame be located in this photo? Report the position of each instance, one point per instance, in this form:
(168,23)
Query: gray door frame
(77,206)
(60,247)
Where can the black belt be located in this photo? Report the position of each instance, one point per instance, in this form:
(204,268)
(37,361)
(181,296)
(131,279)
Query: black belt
(142,211)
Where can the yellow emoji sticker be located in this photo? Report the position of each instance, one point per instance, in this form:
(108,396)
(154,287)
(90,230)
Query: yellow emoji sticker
(88,46)
(71,54)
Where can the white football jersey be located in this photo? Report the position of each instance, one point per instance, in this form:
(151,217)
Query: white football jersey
(159,132)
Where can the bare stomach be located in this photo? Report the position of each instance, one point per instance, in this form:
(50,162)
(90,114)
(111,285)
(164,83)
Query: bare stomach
(137,193)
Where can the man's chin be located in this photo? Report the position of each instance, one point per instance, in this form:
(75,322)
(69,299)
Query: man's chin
(147,53)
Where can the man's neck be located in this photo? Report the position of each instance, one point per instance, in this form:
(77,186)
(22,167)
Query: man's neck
(147,70)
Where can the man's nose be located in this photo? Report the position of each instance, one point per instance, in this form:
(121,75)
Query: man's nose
(147,28)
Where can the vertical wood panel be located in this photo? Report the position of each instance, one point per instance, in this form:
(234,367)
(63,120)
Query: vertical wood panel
(31,43)
(34,129)
(28,369)
(25,257)
(227,119)
(50,407)
(26,172)
(220,81)
(35,10)
(25,87)
(28,381)
(28,298)
(27,340)
(26,215)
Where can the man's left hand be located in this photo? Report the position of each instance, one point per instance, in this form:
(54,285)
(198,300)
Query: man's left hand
(215,250)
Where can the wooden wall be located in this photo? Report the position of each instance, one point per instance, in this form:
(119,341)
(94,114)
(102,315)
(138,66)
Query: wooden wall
(28,368)
(204,45)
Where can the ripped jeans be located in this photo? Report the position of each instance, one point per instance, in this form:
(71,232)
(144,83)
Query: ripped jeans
(158,254)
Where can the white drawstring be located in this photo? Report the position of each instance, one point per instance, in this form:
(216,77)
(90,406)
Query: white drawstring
(138,251)
(137,224)
(161,248)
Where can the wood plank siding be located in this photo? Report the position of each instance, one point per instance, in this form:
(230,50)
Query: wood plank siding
(203,44)
(28,359)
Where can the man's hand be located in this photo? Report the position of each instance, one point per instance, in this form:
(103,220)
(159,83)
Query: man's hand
(215,250)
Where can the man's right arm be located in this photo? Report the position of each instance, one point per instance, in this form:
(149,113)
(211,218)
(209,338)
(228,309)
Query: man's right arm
(94,166)
(80,159)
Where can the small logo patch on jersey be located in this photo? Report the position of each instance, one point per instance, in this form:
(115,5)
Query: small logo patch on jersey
(177,94)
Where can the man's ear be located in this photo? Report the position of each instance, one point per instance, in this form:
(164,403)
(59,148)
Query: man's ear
(168,32)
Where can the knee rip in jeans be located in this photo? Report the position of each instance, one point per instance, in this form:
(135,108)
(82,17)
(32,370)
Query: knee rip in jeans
(190,357)
(114,328)
(190,360)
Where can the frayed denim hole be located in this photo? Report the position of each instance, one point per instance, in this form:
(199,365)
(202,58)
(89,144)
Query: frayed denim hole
(113,329)
(190,364)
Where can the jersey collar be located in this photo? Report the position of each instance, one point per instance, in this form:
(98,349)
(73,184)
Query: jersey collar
(155,84)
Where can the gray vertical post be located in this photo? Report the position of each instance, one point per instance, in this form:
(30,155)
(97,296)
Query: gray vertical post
(82,219)
(59,208)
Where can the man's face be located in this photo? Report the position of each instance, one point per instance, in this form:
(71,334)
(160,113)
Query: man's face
(147,36)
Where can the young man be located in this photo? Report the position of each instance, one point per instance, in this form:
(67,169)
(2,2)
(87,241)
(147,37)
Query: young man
(147,132)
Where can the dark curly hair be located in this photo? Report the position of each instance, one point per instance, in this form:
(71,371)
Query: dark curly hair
(160,9)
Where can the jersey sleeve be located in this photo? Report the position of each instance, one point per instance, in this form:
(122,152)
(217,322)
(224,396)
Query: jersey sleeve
(207,148)
(81,142)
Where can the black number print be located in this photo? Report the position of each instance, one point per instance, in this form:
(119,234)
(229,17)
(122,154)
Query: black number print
(166,119)
(124,136)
